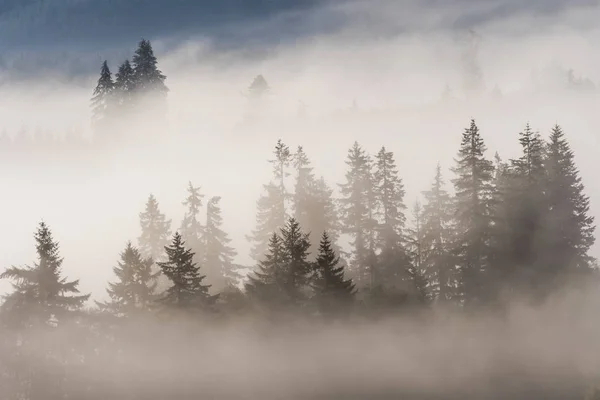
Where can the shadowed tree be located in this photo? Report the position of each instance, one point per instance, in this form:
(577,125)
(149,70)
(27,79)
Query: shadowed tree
(186,291)
(473,214)
(135,288)
(333,294)
(191,228)
(102,97)
(40,293)
(146,75)
(124,87)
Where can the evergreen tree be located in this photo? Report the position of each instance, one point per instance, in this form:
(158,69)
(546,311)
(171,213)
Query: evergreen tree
(102,96)
(314,208)
(473,214)
(124,86)
(332,292)
(282,278)
(147,77)
(271,213)
(155,230)
(569,228)
(357,213)
(438,260)
(417,253)
(218,255)
(187,291)
(258,88)
(191,228)
(389,194)
(135,288)
(40,292)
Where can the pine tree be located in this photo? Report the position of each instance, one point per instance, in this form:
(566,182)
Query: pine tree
(314,208)
(473,214)
(218,255)
(147,77)
(569,228)
(135,288)
(281,279)
(102,96)
(40,293)
(389,194)
(439,262)
(417,254)
(266,283)
(125,86)
(155,230)
(258,88)
(333,293)
(187,291)
(191,228)
(357,213)
(272,212)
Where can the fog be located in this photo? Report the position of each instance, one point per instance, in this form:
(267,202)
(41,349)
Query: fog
(391,61)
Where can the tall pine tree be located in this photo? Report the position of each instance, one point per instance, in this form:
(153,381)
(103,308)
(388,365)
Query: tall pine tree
(271,206)
(124,87)
(156,230)
(186,292)
(218,255)
(191,228)
(40,293)
(357,214)
(437,226)
(569,229)
(146,75)
(473,215)
(102,97)
(135,288)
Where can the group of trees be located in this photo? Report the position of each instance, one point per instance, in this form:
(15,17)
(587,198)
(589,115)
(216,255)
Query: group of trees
(136,80)
(509,228)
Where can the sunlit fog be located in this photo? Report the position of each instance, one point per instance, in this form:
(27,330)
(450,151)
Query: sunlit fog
(415,77)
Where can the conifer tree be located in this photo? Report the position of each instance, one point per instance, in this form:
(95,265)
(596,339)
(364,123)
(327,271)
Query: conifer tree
(40,292)
(438,261)
(147,77)
(389,194)
(124,86)
(186,291)
(218,255)
(313,205)
(417,254)
(271,206)
(191,228)
(102,96)
(135,288)
(282,278)
(357,213)
(569,227)
(473,214)
(333,293)
(258,88)
(155,230)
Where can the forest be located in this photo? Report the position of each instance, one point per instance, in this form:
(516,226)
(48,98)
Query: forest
(330,259)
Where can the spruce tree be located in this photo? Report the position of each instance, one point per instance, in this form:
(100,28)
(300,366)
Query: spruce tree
(258,88)
(191,228)
(417,254)
(146,75)
(281,279)
(186,291)
(124,87)
(357,214)
(218,255)
(437,226)
(271,206)
(569,229)
(473,214)
(389,195)
(155,231)
(314,208)
(102,96)
(135,288)
(40,292)
(333,294)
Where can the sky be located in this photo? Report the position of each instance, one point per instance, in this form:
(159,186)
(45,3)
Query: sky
(391,59)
